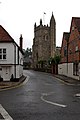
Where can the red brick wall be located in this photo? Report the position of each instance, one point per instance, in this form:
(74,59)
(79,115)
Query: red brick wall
(73,55)
(64,44)
(73,44)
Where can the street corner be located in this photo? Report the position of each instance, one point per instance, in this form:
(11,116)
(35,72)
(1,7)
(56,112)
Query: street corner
(10,85)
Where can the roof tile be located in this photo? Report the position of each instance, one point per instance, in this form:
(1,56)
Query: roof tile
(4,35)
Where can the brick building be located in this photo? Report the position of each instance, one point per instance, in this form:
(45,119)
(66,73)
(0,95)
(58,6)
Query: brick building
(44,42)
(70,51)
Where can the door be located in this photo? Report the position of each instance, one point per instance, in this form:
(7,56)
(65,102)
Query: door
(6,73)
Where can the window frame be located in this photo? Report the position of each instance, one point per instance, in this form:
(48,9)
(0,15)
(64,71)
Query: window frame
(3,54)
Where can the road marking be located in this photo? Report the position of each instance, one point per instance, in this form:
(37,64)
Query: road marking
(46,94)
(5,114)
(77,95)
(50,102)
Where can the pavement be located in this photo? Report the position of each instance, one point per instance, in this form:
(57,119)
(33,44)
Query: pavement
(4,85)
(68,80)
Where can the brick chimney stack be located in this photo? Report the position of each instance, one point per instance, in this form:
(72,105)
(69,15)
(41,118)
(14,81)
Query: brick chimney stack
(21,42)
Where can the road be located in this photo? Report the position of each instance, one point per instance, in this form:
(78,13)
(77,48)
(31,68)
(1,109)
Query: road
(42,97)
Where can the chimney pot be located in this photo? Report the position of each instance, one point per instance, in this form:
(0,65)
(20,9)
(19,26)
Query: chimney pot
(21,42)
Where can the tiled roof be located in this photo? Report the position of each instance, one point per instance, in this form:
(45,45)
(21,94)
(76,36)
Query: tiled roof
(77,22)
(4,35)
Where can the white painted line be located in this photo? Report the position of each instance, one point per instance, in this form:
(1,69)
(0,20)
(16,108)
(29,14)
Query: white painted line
(4,113)
(46,94)
(52,103)
(77,95)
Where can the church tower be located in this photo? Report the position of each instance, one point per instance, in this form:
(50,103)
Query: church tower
(53,35)
(44,42)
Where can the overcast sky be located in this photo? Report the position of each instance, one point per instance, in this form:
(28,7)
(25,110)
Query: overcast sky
(19,16)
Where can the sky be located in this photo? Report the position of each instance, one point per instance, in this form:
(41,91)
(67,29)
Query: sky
(19,16)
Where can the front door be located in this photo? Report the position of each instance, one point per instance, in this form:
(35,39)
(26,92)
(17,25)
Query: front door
(6,73)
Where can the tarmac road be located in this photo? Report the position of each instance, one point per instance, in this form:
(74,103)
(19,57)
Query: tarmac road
(42,97)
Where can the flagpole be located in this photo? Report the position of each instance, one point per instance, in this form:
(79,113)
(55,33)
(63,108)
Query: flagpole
(44,17)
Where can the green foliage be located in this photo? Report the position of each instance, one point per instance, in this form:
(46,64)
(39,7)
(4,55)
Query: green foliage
(28,52)
(42,63)
(57,59)
(54,60)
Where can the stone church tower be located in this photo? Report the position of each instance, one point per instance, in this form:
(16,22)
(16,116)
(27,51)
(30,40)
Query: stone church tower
(44,42)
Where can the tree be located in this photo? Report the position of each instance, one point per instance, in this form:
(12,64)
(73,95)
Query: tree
(56,59)
(27,58)
(28,52)
(54,63)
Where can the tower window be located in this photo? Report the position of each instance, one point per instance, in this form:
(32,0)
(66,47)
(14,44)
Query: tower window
(44,37)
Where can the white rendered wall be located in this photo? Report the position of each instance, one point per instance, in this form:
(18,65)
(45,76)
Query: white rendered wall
(62,69)
(10,53)
(8,65)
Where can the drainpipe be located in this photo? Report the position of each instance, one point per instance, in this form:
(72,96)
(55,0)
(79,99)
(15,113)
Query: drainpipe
(15,60)
(79,65)
(67,57)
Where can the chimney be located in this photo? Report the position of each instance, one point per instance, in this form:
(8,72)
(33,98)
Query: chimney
(21,42)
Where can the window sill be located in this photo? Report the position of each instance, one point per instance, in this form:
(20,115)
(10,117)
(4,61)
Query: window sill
(3,60)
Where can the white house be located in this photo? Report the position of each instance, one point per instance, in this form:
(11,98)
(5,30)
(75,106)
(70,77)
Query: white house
(11,57)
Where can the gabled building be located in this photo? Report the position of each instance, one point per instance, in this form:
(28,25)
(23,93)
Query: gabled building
(70,51)
(64,47)
(11,57)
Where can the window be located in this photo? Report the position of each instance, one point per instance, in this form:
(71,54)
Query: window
(65,51)
(46,38)
(72,28)
(70,51)
(0,50)
(76,49)
(2,53)
(0,69)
